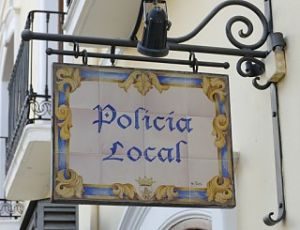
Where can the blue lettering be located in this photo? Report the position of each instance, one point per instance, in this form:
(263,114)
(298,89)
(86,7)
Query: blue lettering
(169,154)
(186,125)
(147,156)
(136,117)
(137,150)
(113,152)
(156,125)
(134,153)
(178,153)
(105,116)
(146,118)
(170,120)
(127,119)
(142,120)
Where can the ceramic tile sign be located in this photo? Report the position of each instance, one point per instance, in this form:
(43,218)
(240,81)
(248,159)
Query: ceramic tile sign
(141,137)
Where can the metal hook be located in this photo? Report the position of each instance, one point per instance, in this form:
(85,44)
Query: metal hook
(194,62)
(268,220)
(76,49)
(84,57)
(259,86)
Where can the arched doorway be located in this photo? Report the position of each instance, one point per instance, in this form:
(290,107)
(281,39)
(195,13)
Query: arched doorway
(193,224)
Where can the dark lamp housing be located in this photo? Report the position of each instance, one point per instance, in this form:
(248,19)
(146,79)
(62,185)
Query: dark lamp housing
(154,41)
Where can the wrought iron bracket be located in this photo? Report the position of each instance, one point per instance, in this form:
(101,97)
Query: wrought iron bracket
(249,65)
(278,46)
(278,54)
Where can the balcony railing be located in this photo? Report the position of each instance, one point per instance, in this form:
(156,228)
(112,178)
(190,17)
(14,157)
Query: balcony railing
(11,209)
(26,106)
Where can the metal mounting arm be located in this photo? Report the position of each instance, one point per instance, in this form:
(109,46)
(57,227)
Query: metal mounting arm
(269,220)
(249,64)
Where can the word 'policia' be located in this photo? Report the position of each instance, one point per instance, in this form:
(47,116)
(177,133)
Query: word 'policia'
(108,115)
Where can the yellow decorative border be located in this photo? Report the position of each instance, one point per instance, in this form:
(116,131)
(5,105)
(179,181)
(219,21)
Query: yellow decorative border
(165,192)
(125,191)
(214,89)
(219,189)
(143,81)
(68,80)
(64,114)
(69,184)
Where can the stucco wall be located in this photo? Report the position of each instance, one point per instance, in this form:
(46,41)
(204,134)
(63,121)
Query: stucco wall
(251,111)
(286,16)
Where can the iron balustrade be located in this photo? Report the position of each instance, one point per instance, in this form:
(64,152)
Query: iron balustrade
(18,89)
(11,209)
(26,106)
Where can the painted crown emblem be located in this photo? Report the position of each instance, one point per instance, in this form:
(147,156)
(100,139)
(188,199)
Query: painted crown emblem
(145,181)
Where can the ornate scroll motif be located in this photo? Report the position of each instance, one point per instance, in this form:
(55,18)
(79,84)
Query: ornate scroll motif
(220,125)
(71,186)
(165,192)
(124,191)
(229,26)
(143,82)
(11,209)
(64,114)
(41,108)
(219,189)
(213,87)
(68,80)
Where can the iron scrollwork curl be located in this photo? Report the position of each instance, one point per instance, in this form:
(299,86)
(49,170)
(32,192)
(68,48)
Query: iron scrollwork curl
(253,67)
(11,209)
(259,86)
(233,20)
(42,108)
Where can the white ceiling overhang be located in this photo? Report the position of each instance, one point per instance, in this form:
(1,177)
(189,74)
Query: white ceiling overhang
(102,18)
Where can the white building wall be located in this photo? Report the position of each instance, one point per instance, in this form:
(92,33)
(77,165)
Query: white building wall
(251,112)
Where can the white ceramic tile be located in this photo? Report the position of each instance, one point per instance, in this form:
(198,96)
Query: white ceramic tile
(88,167)
(84,135)
(171,100)
(122,130)
(165,173)
(86,96)
(175,141)
(122,172)
(201,171)
(200,139)
(198,104)
(111,93)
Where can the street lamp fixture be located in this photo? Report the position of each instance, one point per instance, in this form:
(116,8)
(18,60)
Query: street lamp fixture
(156,25)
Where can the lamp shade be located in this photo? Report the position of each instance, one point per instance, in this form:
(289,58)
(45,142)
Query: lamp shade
(154,41)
